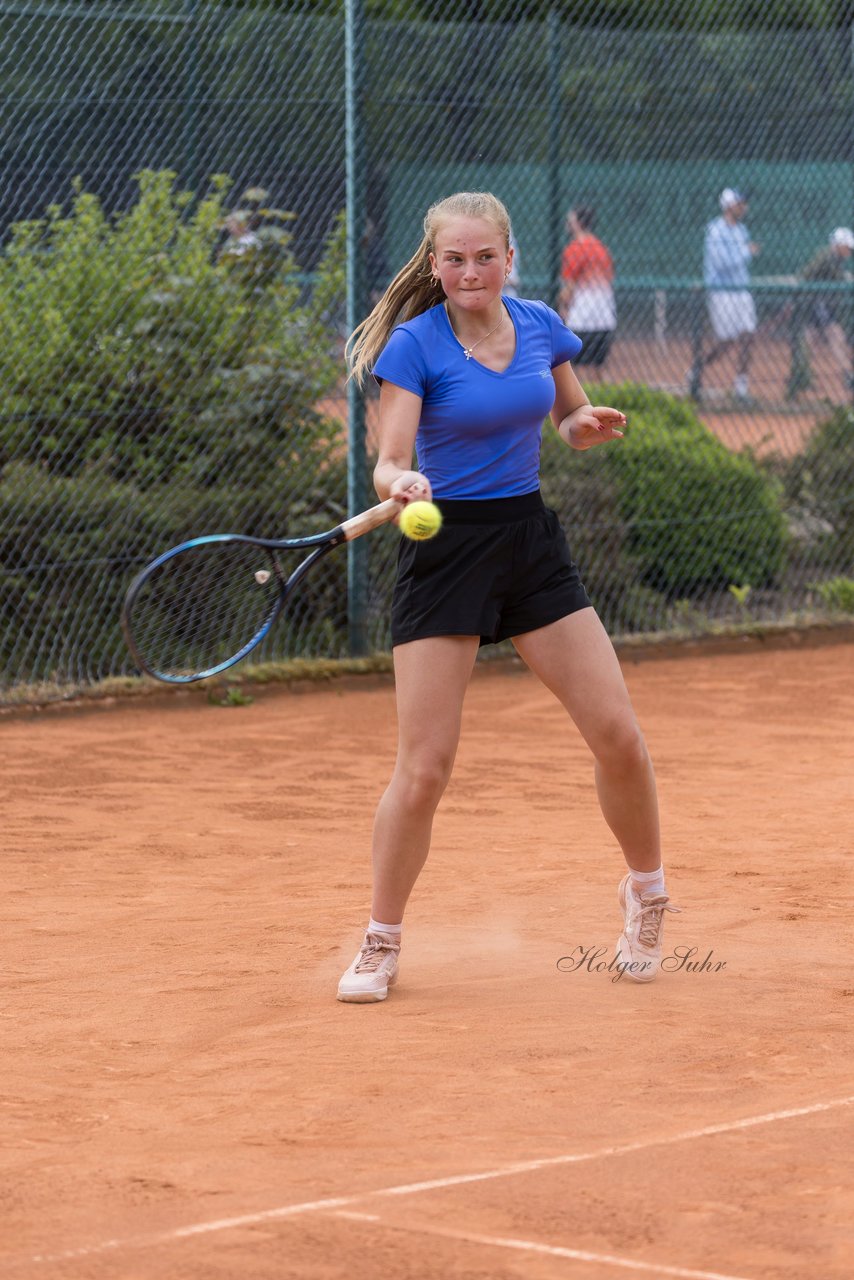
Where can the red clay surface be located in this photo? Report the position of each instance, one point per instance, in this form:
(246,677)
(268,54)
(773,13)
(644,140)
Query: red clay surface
(184,1098)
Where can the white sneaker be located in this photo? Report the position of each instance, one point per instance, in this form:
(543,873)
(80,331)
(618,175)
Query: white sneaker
(373,971)
(639,945)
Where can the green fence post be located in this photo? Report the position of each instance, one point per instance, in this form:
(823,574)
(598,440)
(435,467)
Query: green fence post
(697,295)
(555,232)
(357,551)
(192,176)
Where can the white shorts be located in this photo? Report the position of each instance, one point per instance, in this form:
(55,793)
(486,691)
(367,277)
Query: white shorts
(732,314)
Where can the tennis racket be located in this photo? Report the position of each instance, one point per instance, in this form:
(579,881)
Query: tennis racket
(203,605)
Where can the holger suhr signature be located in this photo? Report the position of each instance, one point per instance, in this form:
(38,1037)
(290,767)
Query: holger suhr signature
(598,960)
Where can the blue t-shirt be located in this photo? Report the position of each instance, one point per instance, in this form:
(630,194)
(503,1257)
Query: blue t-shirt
(480,431)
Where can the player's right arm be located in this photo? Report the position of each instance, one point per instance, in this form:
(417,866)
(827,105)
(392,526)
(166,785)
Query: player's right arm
(400,413)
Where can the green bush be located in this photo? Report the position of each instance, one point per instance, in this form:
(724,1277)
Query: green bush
(696,515)
(156,382)
(69,547)
(820,486)
(666,512)
(837,594)
(145,344)
(585,497)
(66,552)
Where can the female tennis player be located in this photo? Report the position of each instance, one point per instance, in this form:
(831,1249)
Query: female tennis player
(467,377)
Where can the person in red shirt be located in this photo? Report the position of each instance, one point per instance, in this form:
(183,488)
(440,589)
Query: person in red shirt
(586,301)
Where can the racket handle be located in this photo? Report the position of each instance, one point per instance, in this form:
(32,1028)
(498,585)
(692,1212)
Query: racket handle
(371,519)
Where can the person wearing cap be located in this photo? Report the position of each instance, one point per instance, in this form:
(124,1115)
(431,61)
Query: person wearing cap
(728,253)
(822,316)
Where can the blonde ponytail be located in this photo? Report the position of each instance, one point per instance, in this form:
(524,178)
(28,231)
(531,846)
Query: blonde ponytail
(415,289)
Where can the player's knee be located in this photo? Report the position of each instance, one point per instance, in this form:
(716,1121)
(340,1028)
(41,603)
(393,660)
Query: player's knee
(621,745)
(425,778)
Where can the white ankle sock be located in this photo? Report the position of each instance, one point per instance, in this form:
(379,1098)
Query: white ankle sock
(648,881)
(374,926)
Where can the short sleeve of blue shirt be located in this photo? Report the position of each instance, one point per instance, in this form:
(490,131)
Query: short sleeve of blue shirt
(480,431)
(403,362)
(565,344)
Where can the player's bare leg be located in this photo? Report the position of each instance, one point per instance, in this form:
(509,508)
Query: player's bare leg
(431,677)
(575,659)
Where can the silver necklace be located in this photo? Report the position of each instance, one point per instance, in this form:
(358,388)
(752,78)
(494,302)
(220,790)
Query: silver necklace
(467,351)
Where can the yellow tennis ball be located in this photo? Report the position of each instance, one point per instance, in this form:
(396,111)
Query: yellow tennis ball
(420,520)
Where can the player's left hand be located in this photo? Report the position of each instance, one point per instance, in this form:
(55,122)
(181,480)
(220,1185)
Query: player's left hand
(593,424)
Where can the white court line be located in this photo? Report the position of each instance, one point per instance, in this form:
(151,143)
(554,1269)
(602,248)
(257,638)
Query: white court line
(344,1202)
(549,1162)
(554,1251)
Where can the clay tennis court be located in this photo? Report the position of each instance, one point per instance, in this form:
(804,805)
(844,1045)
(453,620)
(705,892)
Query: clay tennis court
(184,1097)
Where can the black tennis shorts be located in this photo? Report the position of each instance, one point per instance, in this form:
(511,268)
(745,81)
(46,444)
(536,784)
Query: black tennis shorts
(497,568)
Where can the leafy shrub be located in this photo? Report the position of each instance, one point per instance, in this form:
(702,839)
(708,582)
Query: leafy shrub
(695,514)
(666,512)
(820,485)
(66,550)
(69,547)
(837,594)
(585,497)
(145,344)
(157,381)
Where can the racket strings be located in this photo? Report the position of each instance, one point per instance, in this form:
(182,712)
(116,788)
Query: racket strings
(203,606)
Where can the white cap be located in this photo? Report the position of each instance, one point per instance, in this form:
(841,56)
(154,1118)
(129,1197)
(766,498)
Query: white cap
(729,197)
(843,236)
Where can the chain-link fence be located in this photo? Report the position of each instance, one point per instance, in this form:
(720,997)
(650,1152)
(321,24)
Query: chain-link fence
(176,264)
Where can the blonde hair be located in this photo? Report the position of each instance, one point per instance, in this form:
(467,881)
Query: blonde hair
(414,289)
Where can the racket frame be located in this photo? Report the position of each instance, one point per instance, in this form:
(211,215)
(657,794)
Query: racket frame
(318,544)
